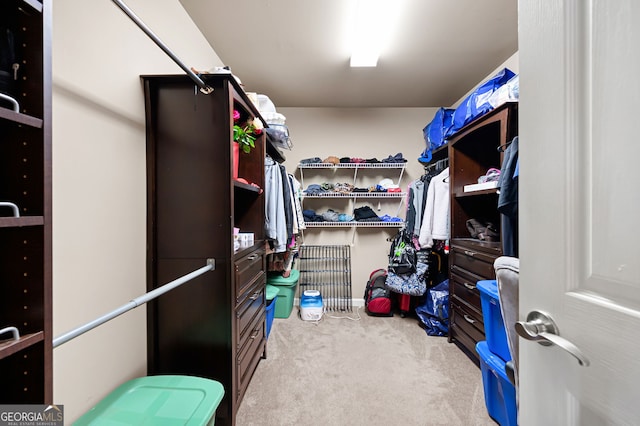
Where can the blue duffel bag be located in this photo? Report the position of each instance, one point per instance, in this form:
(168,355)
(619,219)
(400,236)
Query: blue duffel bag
(435,131)
(477,103)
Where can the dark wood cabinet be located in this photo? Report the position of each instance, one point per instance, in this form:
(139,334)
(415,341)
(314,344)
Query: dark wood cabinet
(472,152)
(214,326)
(25,223)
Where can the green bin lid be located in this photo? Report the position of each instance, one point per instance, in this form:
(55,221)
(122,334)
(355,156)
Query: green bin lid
(158,400)
(271,291)
(278,279)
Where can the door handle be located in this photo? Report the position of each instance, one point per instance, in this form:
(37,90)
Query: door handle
(541,328)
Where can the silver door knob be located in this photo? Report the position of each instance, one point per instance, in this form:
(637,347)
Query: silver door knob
(541,328)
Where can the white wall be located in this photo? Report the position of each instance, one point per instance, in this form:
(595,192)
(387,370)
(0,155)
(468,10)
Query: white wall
(99,183)
(364,133)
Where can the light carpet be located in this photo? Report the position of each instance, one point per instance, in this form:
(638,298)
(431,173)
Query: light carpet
(374,371)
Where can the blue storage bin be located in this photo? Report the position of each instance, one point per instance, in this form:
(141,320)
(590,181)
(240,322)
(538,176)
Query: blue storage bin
(494,330)
(271,294)
(499,393)
(271,311)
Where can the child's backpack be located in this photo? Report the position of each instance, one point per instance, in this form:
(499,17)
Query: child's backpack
(377,297)
(403,258)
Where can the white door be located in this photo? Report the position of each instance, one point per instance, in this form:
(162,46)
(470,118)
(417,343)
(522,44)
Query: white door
(580,208)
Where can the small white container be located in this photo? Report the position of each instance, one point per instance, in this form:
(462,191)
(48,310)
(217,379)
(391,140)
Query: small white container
(246,239)
(311,307)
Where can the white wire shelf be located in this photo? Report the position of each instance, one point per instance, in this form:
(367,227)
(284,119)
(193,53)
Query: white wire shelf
(354,224)
(352,166)
(357,195)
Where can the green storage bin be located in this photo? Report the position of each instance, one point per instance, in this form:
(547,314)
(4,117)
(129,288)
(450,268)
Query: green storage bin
(271,292)
(286,293)
(158,400)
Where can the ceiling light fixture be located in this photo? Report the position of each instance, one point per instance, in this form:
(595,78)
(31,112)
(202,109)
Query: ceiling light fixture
(374,21)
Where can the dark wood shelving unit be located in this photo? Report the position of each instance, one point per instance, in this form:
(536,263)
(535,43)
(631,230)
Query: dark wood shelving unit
(214,326)
(25,180)
(473,151)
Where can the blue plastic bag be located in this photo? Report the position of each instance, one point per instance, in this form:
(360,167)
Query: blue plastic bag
(477,103)
(435,131)
(434,312)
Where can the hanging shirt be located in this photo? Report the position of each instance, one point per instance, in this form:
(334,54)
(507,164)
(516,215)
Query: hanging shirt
(275,222)
(435,221)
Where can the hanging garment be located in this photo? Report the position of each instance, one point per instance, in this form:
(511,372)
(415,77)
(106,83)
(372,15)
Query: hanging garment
(417,201)
(508,200)
(435,221)
(275,221)
(413,217)
(288,206)
(298,219)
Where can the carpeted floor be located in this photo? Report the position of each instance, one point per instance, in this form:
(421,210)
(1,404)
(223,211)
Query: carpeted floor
(375,371)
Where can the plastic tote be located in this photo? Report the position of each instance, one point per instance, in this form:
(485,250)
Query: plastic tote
(287,289)
(492,317)
(499,393)
(271,294)
(158,401)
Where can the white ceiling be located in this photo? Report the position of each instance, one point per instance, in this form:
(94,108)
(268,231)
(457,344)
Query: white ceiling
(295,52)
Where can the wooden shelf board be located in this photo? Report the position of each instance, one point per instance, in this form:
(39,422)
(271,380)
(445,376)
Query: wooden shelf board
(246,187)
(20,118)
(462,194)
(17,222)
(10,347)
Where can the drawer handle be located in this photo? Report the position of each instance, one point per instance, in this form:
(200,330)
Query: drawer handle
(469,253)
(255,296)
(470,286)
(468,319)
(252,257)
(254,334)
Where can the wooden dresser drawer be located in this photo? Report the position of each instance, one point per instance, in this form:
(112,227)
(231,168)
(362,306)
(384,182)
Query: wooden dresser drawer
(247,269)
(252,307)
(463,285)
(475,262)
(250,354)
(456,334)
(468,318)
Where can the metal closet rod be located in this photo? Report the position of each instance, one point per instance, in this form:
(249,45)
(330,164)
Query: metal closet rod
(134,303)
(204,88)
